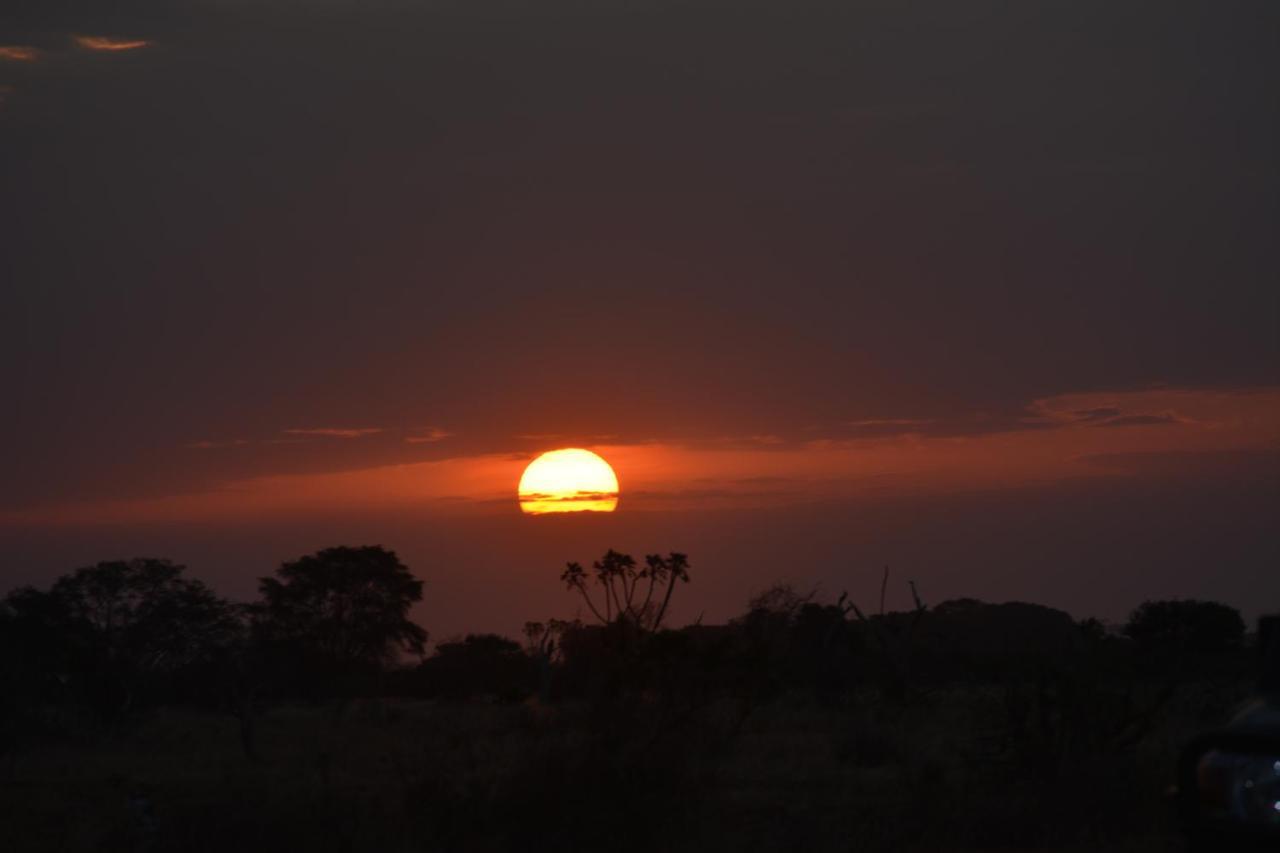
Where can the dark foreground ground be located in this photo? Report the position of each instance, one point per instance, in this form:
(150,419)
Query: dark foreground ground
(959,769)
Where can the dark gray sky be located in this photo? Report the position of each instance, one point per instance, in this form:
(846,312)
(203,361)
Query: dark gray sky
(502,225)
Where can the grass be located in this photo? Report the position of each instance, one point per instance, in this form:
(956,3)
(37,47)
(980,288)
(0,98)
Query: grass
(867,775)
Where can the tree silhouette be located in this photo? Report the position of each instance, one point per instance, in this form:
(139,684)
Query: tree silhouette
(635,595)
(118,629)
(340,613)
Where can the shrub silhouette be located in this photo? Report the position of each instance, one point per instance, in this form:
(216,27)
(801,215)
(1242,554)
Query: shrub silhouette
(1187,626)
(542,645)
(478,665)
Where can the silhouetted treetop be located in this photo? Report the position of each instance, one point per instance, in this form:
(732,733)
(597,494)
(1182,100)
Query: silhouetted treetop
(639,595)
(344,605)
(143,609)
(110,628)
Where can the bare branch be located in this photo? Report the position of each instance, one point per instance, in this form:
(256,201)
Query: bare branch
(916,596)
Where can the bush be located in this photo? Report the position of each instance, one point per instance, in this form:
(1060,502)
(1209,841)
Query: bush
(1205,627)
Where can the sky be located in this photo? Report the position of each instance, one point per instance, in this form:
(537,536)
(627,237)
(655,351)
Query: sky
(983,291)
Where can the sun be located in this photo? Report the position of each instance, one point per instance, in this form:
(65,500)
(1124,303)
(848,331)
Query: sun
(568,480)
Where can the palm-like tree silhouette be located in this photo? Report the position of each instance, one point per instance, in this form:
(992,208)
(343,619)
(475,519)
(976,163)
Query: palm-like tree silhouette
(639,595)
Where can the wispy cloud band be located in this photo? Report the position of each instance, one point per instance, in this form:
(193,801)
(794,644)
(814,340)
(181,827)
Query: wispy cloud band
(106,43)
(335,432)
(428,436)
(19,53)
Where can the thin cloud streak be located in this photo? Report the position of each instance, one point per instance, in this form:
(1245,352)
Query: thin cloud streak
(430,436)
(1140,420)
(335,432)
(19,53)
(1142,407)
(110,45)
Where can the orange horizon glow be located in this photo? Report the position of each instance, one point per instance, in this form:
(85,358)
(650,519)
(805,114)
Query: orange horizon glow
(568,480)
(109,44)
(1072,443)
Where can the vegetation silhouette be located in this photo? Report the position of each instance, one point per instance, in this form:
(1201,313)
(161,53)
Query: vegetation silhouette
(626,592)
(335,620)
(109,637)
(1187,626)
(803,723)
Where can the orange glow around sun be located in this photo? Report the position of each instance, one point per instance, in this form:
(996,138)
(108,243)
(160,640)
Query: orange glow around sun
(568,480)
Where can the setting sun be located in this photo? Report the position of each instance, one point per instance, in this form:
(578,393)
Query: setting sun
(568,480)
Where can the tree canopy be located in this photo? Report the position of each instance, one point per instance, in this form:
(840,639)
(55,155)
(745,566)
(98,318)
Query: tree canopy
(343,608)
(111,630)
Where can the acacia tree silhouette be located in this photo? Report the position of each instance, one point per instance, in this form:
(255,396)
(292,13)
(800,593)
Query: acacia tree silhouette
(627,591)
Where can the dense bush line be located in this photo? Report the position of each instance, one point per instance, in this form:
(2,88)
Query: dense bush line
(108,641)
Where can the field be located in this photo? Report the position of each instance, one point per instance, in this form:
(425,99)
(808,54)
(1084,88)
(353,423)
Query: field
(957,769)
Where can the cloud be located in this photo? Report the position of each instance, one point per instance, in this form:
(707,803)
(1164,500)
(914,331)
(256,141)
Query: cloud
(1188,408)
(564,439)
(878,427)
(898,422)
(756,440)
(1100,413)
(19,53)
(567,497)
(335,432)
(1242,465)
(1110,413)
(429,436)
(1139,420)
(955,426)
(110,45)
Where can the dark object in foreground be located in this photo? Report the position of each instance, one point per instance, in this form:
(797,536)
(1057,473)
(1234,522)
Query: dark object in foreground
(1229,781)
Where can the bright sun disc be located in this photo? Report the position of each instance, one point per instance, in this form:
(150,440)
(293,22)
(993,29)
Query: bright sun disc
(569,480)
